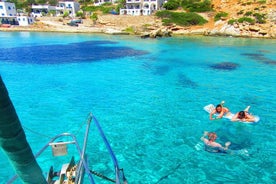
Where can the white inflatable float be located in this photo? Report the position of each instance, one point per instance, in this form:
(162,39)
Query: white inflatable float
(209,108)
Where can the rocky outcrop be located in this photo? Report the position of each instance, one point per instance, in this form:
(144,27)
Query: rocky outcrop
(159,32)
(115,32)
(236,30)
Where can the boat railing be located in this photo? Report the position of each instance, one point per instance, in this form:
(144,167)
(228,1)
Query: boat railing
(120,178)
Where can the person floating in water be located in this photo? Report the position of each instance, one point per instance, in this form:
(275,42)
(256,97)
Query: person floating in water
(211,145)
(220,110)
(243,116)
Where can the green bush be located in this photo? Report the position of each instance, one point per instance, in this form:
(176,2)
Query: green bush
(232,21)
(248,13)
(262,1)
(105,9)
(171,5)
(65,14)
(219,15)
(107,4)
(102,8)
(199,6)
(52,2)
(90,8)
(130,30)
(80,14)
(52,12)
(182,19)
(94,17)
(246,19)
(260,18)
(240,12)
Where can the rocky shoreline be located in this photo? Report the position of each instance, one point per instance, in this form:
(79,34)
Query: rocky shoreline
(120,25)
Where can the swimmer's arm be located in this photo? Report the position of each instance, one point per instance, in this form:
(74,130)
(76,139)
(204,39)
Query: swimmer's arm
(227,144)
(211,115)
(220,114)
(250,118)
(226,110)
(203,136)
(235,117)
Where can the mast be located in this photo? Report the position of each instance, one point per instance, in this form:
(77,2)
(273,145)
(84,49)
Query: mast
(14,144)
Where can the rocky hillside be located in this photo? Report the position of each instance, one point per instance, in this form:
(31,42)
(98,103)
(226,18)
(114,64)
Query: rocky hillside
(238,13)
(238,9)
(236,21)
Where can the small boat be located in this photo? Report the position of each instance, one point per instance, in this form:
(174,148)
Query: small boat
(14,144)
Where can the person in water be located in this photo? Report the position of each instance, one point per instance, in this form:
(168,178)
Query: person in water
(211,145)
(220,110)
(243,116)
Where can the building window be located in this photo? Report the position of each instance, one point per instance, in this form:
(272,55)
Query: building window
(18,19)
(3,14)
(1,7)
(9,8)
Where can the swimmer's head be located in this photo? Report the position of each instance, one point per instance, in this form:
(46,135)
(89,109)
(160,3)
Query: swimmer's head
(212,136)
(241,115)
(218,108)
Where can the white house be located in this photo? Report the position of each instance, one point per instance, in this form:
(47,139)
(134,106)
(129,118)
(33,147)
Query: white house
(69,6)
(25,20)
(9,16)
(141,7)
(7,9)
(41,10)
(100,2)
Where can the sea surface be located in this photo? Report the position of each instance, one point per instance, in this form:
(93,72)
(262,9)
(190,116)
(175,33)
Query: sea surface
(148,95)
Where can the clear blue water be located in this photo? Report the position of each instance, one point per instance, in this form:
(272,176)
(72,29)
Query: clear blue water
(148,95)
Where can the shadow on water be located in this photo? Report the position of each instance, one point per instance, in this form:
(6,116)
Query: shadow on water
(161,70)
(237,134)
(156,70)
(184,81)
(260,58)
(226,66)
(89,51)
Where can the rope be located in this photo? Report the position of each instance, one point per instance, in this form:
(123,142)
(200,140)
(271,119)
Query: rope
(82,124)
(37,133)
(102,176)
(43,135)
(167,175)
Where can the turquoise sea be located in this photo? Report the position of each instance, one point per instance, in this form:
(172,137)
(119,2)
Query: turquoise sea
(148,95)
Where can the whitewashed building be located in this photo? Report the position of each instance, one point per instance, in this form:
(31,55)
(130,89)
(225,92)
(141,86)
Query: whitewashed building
(100,2)
(9,16)
(42,9)
(69,6)
(141,7)
(25,20)
(7,9)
